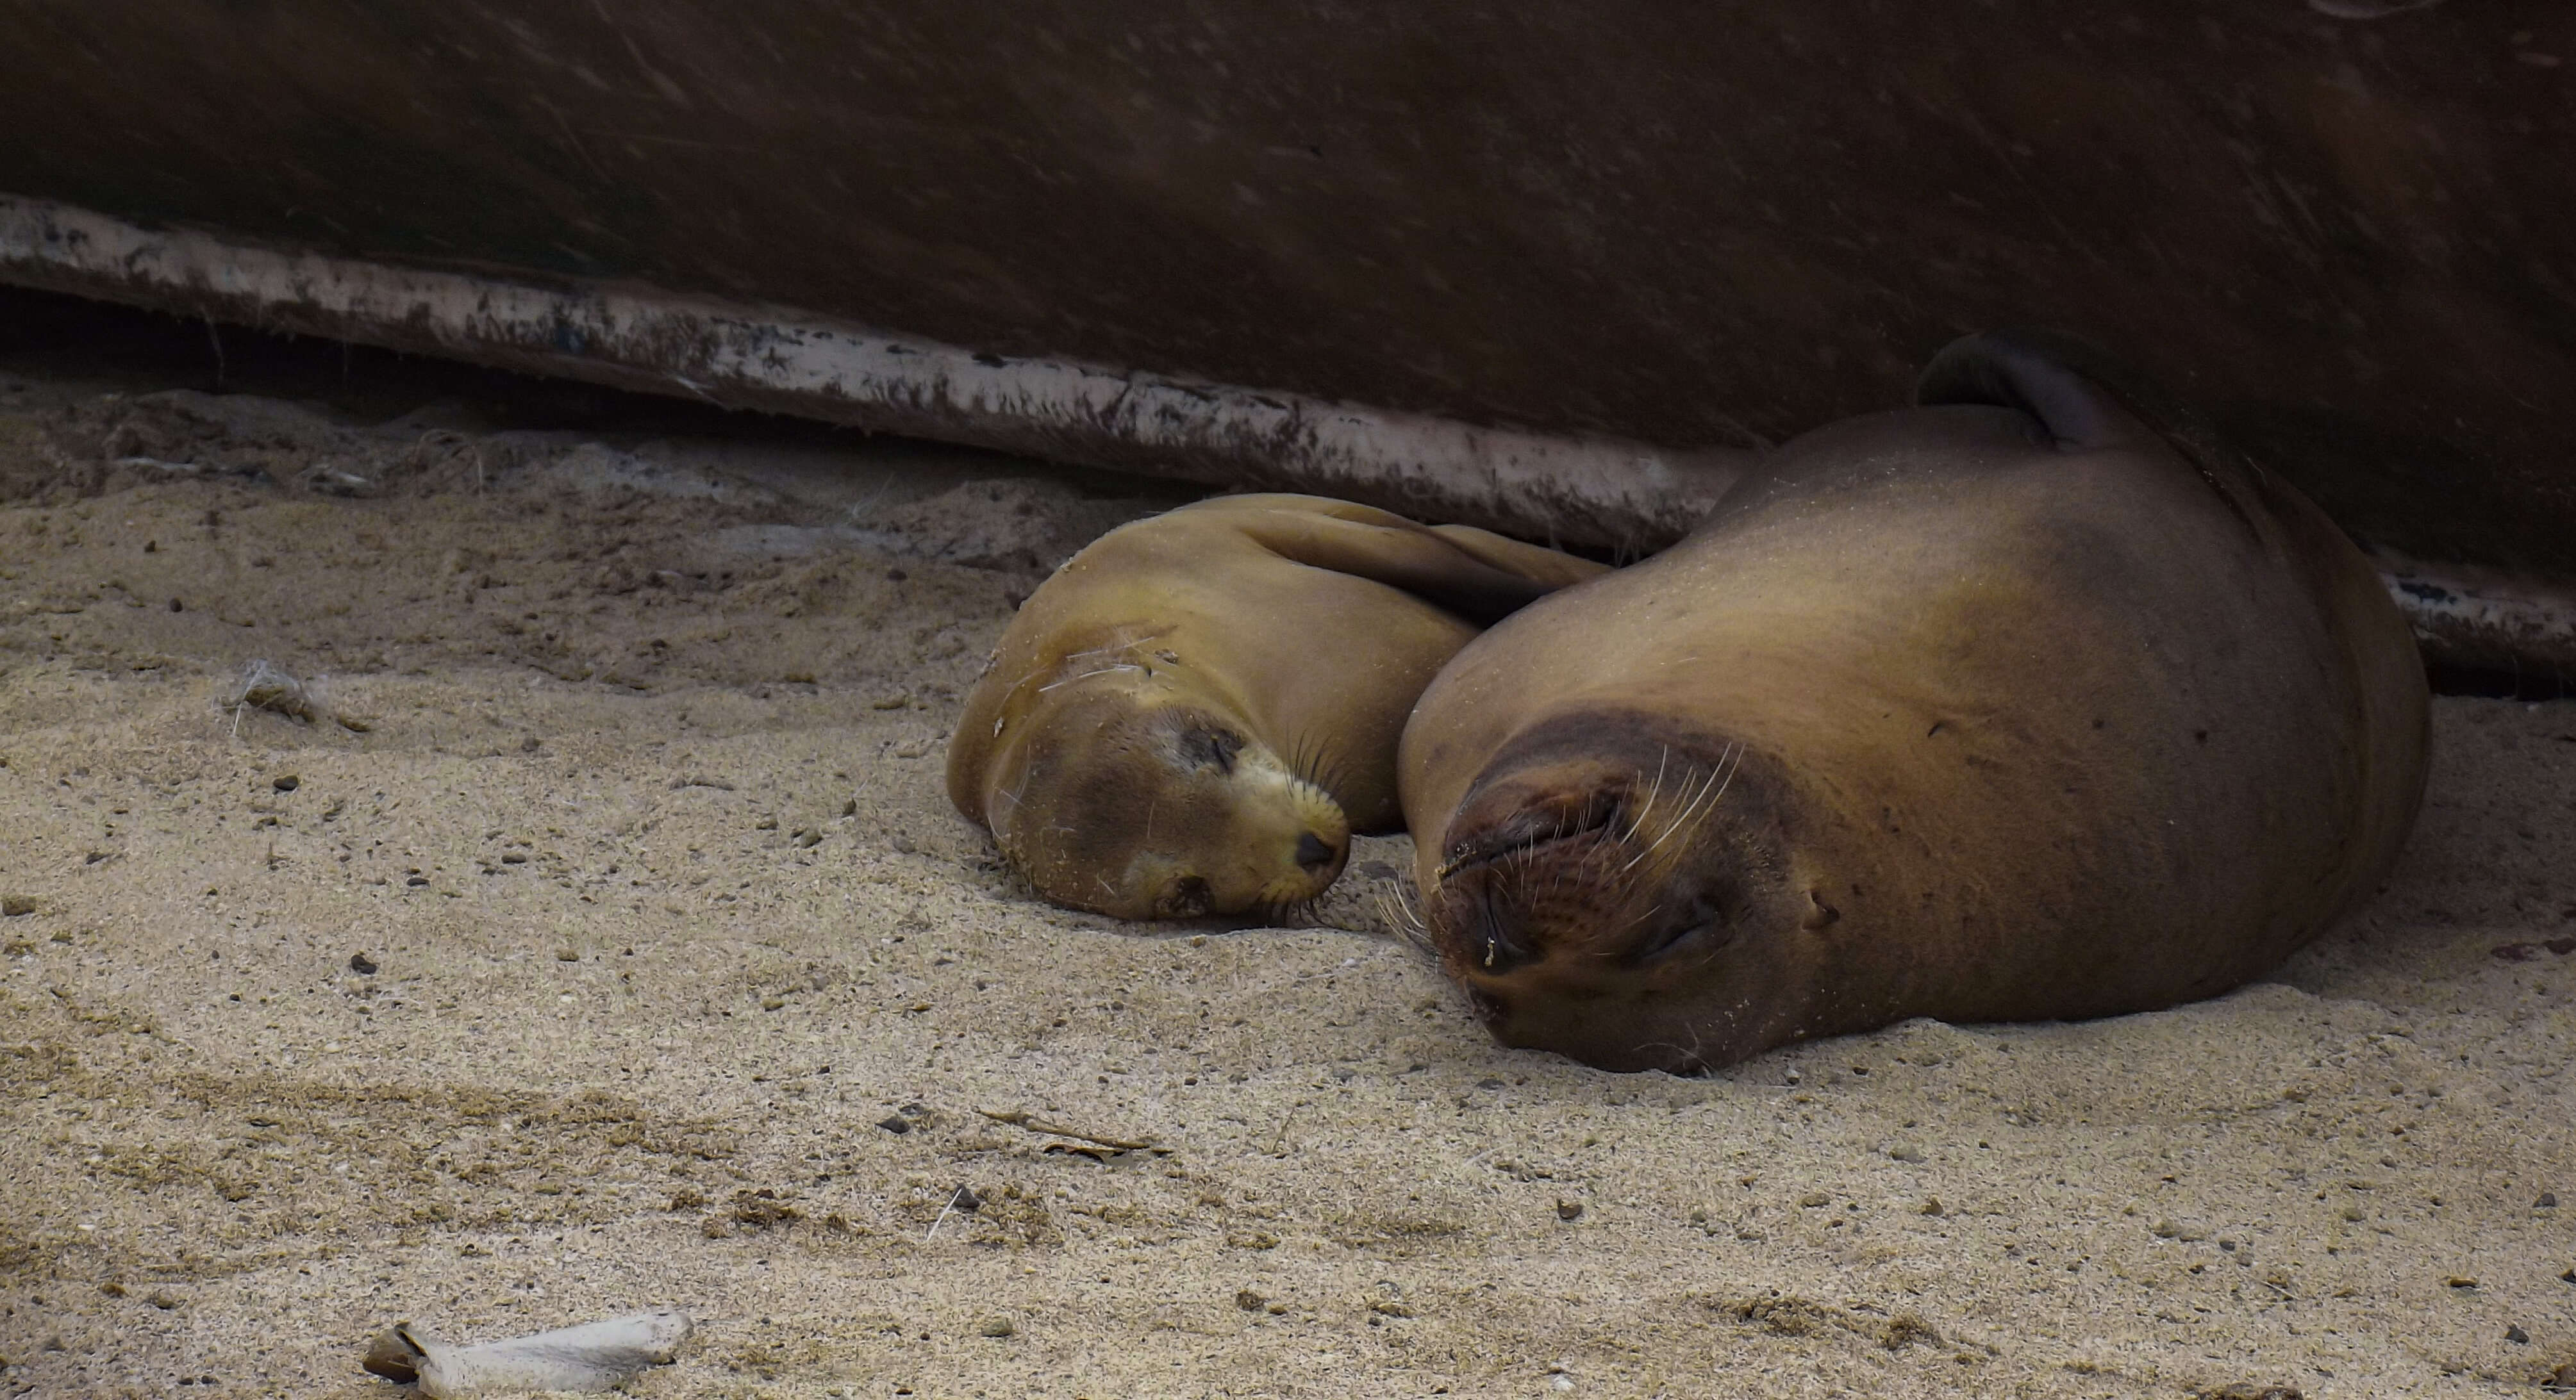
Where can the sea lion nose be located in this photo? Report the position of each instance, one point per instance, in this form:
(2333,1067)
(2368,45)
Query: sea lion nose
(1314,853)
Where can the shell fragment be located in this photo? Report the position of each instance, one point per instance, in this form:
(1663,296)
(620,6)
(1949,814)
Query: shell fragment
(593,1357)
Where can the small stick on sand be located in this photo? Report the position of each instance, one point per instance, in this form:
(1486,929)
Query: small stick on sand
(944,1212)
(1018,1118)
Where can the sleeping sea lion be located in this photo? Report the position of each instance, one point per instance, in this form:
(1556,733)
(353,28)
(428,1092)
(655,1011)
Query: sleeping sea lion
(1194,714)
(2031,702)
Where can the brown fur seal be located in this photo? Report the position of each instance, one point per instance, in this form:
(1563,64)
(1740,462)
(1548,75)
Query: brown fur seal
(2007,707)
(1194,713)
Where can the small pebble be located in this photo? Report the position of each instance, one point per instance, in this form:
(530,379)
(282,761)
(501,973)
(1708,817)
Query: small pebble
(2517,1336)
(895,1123)
(2548,1200)
(1569,1210)
(998,1327)
(288,783)
(1249,1301)
(1931,1205)
(16,906)
(901,843)
(362,965)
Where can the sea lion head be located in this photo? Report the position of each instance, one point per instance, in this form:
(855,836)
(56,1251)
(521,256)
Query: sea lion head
(1128,793)
(1617,891)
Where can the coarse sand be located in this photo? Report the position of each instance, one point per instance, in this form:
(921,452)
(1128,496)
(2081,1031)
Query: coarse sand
(587,930)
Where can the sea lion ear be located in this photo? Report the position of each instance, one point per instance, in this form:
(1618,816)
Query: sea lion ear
(2079,393)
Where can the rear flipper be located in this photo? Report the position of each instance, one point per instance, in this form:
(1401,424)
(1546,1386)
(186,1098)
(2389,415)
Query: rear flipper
(2086,400)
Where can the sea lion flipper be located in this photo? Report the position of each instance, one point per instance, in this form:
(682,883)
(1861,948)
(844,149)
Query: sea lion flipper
(2087,399)
(2080,395)
(1428,565)
(1549,566)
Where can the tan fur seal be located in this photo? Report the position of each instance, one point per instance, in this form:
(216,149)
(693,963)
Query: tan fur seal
(1195,712)
(2007,707)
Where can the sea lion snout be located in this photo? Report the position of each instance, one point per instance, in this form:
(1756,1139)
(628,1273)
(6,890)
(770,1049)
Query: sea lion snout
(1604,885)
(1592,862)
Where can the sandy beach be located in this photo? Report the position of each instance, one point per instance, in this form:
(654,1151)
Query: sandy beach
(590,932)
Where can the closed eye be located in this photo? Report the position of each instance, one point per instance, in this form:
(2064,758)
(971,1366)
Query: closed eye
(1702,916)
(1664,941)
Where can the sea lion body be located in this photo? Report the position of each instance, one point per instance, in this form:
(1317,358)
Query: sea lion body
(1194,713)
(2006,708)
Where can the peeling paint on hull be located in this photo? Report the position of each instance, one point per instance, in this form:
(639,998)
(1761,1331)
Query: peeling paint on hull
(2485,620)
